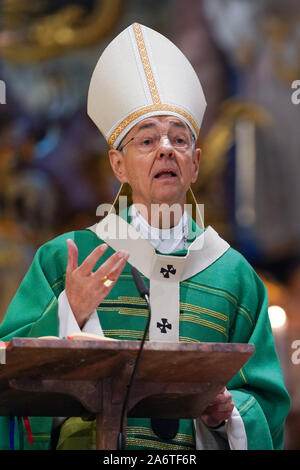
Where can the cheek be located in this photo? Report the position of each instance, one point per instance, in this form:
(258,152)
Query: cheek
(129,167)
(136,174)
(188,171)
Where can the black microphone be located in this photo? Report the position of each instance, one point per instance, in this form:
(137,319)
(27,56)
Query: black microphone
(140,285)
(144,293)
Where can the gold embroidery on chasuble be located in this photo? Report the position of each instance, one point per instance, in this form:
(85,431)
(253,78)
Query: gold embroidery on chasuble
(125,317)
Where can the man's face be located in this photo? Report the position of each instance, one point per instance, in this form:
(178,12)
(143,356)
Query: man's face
(161,172)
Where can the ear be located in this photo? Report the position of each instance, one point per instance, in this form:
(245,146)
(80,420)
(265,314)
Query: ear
(196,164)
(118,166)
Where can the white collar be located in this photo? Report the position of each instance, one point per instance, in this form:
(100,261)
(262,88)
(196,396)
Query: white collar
(202,252)
(165,241)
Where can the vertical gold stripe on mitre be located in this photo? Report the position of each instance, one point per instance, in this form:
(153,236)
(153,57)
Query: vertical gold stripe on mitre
(146,63)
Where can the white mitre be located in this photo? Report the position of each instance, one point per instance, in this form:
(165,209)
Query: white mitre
(141,74)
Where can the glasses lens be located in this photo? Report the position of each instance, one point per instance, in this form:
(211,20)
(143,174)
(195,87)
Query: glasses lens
(180,139)
(147,141)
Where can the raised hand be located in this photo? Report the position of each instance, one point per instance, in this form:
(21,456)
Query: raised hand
(85,289)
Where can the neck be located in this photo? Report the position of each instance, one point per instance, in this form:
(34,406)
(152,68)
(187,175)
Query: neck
(162,216)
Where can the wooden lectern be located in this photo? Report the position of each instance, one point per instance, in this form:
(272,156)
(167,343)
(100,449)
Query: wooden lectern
(76,377)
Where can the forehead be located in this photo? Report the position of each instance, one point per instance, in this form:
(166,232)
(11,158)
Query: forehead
(161,122)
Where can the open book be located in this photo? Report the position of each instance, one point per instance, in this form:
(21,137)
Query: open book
(3,345)
(87,336)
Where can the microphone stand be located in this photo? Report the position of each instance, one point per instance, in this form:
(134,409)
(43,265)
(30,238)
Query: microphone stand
(144,293)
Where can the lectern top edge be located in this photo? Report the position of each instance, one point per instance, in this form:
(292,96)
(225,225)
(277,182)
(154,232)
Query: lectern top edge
(129,345)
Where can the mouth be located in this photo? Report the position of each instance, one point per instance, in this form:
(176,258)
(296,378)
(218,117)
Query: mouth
(165,173)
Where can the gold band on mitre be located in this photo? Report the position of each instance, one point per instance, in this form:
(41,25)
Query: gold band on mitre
(153,110)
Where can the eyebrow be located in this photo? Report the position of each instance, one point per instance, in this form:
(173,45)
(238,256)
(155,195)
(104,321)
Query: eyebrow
(179,124)
(146,125)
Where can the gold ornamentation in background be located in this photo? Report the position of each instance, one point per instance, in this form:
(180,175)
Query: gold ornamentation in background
(30,34)
(221,135)
(283,37)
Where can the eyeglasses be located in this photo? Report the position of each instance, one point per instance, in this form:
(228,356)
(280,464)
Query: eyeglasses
(146,142)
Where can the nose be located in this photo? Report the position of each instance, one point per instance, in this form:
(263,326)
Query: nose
(165,149)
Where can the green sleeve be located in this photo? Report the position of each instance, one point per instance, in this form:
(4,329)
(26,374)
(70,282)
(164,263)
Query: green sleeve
(33,310)
(258,389)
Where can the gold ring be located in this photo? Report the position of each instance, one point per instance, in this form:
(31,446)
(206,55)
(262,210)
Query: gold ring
(106,281)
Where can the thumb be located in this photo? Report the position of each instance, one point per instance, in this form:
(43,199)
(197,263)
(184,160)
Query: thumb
(72,262)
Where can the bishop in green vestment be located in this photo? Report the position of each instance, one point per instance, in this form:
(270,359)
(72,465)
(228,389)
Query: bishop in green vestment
(232,309)
(151,121)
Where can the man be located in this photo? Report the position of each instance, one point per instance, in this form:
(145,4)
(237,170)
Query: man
(148,102)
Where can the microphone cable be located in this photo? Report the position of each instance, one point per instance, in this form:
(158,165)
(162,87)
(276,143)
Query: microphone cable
(144,293)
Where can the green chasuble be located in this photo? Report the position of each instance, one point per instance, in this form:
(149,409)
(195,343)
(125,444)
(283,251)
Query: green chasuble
(226,302)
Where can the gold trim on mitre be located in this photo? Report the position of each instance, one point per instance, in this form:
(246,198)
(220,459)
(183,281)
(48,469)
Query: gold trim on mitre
(164,108)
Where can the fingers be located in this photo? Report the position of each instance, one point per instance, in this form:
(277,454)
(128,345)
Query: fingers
(214,417)
(112,275)
(88,264)
(118,267)
(72,262)
(214,421)
(219,409)
(113,266)
(84,287)
(222,397)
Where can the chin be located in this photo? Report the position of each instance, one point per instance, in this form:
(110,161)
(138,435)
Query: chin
(168,197)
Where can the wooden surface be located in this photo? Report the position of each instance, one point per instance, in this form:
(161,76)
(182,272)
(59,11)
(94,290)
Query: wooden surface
(63,377)
(74,377)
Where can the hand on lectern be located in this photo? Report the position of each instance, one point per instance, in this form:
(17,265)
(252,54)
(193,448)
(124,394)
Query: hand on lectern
(218,410)
(86,288)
